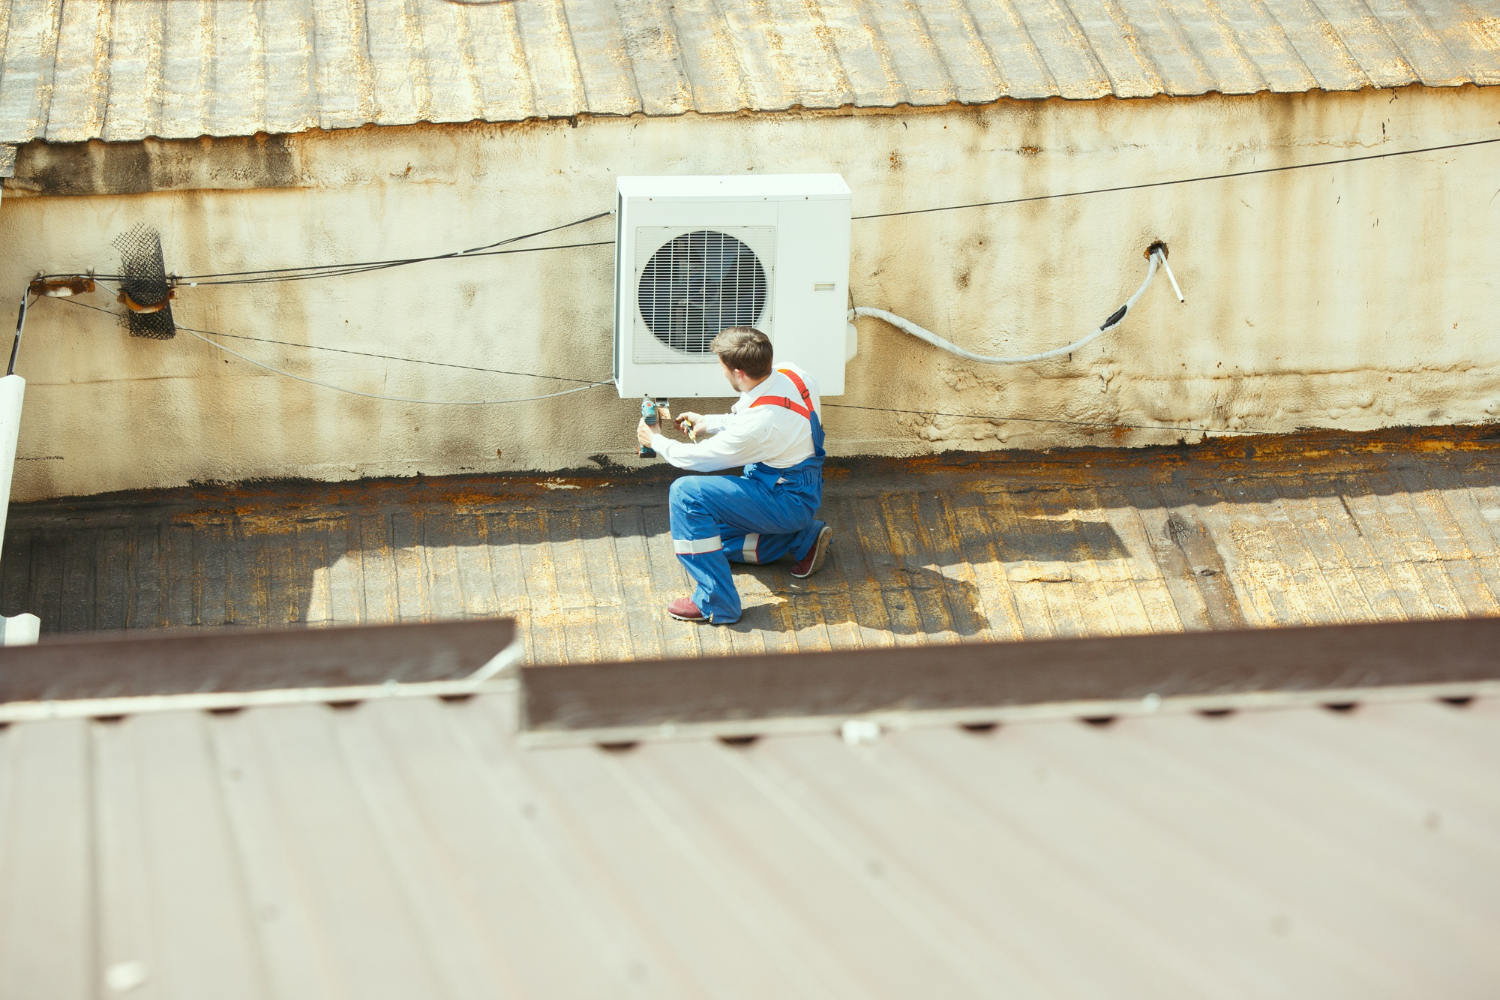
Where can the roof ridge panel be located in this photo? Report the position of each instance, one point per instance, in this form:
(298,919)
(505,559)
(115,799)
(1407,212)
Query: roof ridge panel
(398,67)
(1011,43)
(1183,69)
(1130,37)
(921,79)
(134,110)
(1085,80)
(504,80)
(186,67)
(1291,74)
(609,67)
(556,78)
(862,60)
(714,67)
(78,99)
(1373,48)
(1222,45)
(287,45)
(1425,50)
(974,75)
(341,68)
(1340,70)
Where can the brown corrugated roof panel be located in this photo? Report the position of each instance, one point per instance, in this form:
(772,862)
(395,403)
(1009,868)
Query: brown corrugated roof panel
(409,848)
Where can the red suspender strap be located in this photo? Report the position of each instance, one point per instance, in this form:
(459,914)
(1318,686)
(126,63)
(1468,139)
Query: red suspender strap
(782,401)
(801,387)
(804,411)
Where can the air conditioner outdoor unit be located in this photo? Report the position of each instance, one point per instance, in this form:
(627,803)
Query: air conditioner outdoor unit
(696,254)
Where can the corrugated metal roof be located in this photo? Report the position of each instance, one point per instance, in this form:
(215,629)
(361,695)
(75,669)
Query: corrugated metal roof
(409,849)
(1318,528)
(122,70)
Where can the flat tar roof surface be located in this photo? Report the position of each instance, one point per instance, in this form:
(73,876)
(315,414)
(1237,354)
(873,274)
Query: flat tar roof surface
(408,848)
(1305,529)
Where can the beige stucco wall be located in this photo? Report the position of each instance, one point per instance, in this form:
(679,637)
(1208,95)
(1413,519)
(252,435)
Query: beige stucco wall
(1351,296)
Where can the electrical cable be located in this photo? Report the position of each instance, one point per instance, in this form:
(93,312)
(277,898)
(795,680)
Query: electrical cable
(1115,319)
(1050,420)
(332,270)
(342,270)
(356,267)
(539,232)
(393,399)
(362,354)
(1179,180)
(844,406)
(204,336)
(397,357)
(308,271)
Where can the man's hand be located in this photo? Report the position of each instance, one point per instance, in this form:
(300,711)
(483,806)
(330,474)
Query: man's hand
(691,424)
(643,432)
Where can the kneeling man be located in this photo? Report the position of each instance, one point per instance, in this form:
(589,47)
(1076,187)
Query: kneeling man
(774,431)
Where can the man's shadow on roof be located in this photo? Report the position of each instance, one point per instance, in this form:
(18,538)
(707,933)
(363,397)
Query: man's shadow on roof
(926,602)
(901,570)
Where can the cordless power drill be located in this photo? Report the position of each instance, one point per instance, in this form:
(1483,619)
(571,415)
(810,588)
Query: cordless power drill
(648,414)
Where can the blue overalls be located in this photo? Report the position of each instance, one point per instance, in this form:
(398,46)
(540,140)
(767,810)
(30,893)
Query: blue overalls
(756,517)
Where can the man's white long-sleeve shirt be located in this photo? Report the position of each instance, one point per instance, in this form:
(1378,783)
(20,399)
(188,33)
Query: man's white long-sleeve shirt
(769,434)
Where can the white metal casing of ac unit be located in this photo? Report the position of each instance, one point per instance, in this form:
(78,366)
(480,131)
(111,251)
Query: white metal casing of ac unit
(796,226)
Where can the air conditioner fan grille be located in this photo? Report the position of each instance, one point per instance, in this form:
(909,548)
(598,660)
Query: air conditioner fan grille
(696,285)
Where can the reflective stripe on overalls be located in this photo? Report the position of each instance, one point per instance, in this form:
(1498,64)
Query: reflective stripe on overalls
(756,517)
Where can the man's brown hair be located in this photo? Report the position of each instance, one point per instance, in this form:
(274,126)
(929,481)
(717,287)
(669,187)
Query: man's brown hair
(745,348)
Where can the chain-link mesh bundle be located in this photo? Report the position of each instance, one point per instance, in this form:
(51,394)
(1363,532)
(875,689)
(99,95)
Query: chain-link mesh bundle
(144,284)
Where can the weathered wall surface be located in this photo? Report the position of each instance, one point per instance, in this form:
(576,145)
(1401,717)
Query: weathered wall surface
(1348,296)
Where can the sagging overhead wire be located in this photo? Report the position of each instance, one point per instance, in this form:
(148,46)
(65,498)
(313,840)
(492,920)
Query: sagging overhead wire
(393,399)
(206,335)
(362,354)
(1092,425)
(397,357)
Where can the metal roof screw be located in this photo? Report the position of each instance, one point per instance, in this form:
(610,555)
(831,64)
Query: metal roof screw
(1151,702)
(857,731)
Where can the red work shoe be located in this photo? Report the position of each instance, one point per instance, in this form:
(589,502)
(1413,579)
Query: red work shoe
(813,561)
(683,609)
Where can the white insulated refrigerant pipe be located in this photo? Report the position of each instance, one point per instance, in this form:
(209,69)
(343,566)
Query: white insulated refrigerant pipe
(1157,256)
